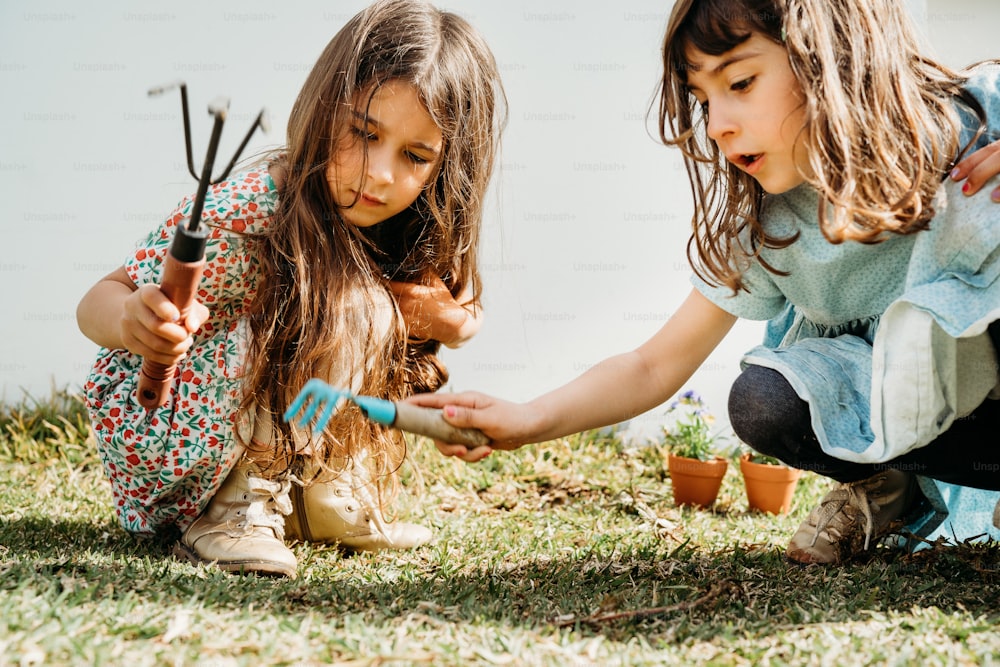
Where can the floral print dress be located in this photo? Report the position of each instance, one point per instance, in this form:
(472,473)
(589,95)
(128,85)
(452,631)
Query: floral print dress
(165,464)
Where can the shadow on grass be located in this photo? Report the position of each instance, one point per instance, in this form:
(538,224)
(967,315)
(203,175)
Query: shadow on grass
(661,592)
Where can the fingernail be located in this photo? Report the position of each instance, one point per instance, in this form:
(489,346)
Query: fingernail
(966,188)
(955,173)
(450,411)
(995,195)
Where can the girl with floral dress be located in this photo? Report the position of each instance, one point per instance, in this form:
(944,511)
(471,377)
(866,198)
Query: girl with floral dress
(821,147)
(349,255)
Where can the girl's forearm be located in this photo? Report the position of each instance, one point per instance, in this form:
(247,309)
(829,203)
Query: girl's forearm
(613,391)
(100,311)
(626,385)
(99,314)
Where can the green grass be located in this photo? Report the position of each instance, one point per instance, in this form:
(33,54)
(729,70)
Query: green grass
(568,553)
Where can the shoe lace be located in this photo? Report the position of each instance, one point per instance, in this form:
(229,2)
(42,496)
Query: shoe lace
(269,502)
(833,505)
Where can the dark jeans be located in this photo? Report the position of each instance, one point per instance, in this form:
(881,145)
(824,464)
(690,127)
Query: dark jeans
(767,414)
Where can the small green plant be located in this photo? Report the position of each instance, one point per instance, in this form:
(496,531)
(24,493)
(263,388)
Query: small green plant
(757,457)
(742,449)
(689,433)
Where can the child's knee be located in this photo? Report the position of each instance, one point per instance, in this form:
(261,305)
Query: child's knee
(764,408)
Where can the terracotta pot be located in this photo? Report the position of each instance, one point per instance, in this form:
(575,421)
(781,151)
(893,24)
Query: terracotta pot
(769,487)
(696,482)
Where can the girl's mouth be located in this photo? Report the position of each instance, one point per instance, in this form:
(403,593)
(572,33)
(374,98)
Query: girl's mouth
(751,163)
(368,200)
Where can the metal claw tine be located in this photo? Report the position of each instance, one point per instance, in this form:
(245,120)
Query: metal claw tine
(262,122)
(159,90)
(219,108)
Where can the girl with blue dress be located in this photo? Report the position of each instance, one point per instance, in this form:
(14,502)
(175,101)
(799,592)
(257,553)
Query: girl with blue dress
(825,154)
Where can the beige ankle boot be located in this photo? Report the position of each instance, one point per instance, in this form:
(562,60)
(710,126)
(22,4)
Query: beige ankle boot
(242,529)
(341,507)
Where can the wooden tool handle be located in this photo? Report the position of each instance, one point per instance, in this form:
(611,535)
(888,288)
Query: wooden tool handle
(430,422)
(180,284)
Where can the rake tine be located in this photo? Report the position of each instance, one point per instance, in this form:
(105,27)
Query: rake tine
(296,406)
(324,418)
(300,412)
(313,395)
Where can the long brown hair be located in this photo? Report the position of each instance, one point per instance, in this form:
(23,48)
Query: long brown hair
(881,127)
(324,283)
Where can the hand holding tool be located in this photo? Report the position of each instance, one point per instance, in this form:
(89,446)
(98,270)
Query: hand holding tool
(186,258)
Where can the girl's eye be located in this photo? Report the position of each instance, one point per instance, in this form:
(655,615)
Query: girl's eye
(362,133)
(702,104)
(743,84)
(416,159)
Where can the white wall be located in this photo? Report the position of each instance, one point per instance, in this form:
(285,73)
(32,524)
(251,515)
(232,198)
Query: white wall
(584,252)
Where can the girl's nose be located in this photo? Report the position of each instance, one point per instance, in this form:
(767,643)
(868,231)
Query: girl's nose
(379,166)
(720,122)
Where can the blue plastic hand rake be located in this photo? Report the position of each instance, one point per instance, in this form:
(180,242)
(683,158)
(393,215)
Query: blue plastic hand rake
(318,397)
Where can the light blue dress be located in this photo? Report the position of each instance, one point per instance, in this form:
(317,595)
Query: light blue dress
(887,342)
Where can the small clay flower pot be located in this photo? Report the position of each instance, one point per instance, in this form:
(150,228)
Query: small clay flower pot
(769,487)
(696,482)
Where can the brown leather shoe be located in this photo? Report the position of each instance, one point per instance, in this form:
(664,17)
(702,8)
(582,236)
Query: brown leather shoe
(342,507)
(851,517)
(242,530)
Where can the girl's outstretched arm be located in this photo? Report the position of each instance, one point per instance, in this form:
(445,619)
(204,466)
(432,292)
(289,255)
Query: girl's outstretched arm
(614,390)
(979,168)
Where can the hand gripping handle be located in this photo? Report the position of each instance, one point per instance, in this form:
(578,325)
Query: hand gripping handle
(430,422)
(180,285)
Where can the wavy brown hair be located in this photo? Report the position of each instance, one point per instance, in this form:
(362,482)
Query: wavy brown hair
(324,283)
(881,127)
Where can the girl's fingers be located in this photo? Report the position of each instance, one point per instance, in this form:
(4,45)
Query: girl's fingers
(461,451)
(154,299)
(196,316)
(149,345)
(148,331)
(978,168)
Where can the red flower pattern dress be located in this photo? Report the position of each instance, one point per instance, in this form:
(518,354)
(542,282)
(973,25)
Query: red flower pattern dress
(165,464)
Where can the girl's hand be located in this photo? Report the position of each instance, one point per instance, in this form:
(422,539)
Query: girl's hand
(150,325)
(432,313)
(979,168)
(506,424)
